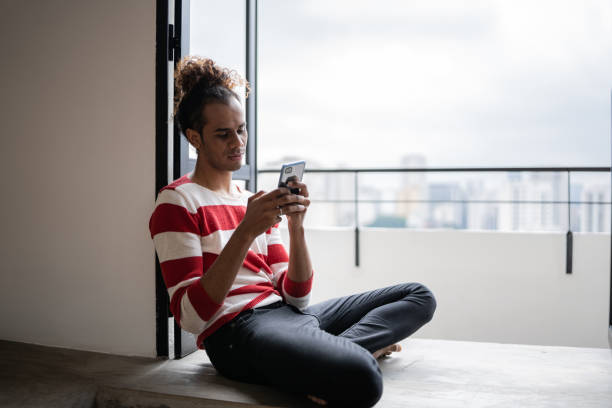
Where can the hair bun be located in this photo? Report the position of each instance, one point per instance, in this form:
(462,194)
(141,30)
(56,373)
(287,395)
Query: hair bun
(192,70)
(198,81)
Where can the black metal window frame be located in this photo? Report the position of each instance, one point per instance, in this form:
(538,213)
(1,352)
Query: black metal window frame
(172,151)
(161,162)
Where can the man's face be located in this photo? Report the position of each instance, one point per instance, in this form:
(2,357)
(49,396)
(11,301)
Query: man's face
(225,135)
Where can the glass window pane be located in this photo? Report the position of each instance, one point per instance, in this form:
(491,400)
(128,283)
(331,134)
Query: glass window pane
(590,186)
(217,30)
(504,201)
(464,215)
(591,218)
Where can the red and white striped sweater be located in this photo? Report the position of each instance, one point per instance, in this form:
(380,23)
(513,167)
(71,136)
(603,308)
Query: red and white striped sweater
(190,226)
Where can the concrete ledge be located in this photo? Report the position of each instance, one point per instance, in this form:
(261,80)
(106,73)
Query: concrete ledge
(432,373)
(113,397)
(41,376)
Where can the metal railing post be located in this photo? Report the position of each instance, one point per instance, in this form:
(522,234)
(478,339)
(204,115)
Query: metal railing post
(356,204)
(569,239)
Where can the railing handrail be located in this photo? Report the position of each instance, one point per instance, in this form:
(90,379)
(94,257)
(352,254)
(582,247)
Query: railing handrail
(446,169)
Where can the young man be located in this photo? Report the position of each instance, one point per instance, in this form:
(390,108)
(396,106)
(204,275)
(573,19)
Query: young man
(232,283)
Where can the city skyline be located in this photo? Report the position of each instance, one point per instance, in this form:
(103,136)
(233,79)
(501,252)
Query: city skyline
(510,201)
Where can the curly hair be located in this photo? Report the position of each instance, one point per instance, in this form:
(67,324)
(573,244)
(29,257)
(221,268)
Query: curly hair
(199,81)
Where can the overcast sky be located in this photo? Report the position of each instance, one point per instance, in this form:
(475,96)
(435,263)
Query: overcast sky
(470,83)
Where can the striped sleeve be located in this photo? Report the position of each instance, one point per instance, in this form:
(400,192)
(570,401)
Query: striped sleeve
(295,293)
(176,234)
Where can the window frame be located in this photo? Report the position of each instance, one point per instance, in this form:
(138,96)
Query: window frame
(172,148)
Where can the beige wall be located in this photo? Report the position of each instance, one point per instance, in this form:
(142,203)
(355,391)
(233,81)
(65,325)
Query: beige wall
(77,159)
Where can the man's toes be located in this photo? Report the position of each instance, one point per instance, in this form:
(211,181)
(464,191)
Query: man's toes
(317,400)
(392,348)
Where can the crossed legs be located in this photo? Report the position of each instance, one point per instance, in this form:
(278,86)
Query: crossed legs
(328,350)
(334,358)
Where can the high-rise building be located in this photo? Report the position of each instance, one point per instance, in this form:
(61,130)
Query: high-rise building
(594,217)
(413,192)
(533,196)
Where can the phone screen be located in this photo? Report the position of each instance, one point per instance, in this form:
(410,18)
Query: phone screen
(291,171)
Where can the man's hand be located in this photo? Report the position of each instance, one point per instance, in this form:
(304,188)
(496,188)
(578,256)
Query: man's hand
(296,205)
(265,209)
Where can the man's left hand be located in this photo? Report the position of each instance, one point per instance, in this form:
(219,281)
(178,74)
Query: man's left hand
(297,204)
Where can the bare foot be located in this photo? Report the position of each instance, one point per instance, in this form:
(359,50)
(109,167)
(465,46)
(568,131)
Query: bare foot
(317,400)
(385,351)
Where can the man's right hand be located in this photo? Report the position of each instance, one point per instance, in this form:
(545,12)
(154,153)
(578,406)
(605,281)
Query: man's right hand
(262,210)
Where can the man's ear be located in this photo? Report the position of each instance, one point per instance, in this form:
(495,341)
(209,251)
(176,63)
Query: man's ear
(194,138)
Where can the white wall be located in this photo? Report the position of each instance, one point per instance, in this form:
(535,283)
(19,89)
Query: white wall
(77,160)
(490,286)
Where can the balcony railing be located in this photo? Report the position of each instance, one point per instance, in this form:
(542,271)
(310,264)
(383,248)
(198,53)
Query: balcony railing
(356,199)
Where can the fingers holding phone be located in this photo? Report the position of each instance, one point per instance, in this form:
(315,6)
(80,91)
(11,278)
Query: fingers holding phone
(299,187)
(296,208)
(294,203)
(263,210)
(291,177)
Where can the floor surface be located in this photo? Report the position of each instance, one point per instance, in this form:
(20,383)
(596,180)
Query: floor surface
(426,373)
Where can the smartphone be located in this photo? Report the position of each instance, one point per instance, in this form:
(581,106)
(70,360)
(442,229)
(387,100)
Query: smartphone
(291,171)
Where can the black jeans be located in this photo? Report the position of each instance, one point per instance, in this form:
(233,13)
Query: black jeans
(324,350)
